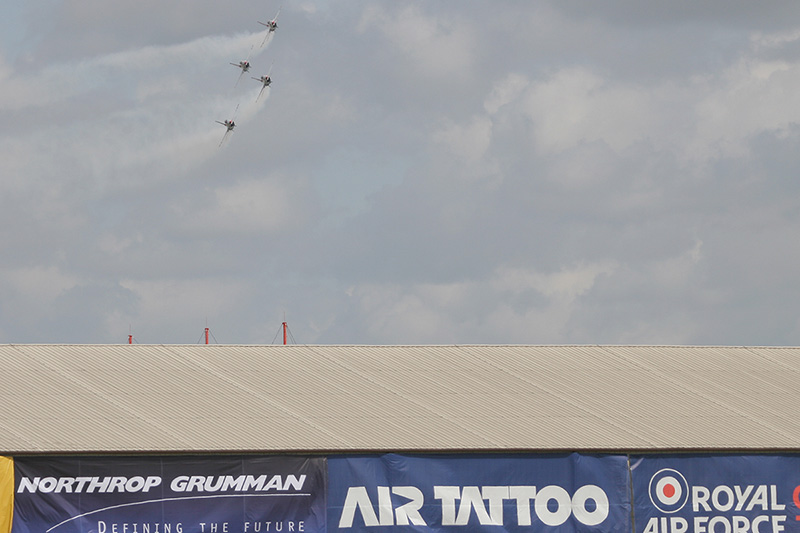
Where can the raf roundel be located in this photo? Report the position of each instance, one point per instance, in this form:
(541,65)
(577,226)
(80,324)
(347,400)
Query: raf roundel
(668,490)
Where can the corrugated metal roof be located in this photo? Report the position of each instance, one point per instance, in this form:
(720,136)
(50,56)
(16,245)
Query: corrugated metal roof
(221,398)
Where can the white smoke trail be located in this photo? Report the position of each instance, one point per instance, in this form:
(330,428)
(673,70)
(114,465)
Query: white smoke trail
(119,116)
(58,82)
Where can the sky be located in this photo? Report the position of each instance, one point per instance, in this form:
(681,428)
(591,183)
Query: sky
(471,172)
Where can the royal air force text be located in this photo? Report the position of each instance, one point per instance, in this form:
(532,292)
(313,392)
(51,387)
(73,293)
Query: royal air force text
(727,509)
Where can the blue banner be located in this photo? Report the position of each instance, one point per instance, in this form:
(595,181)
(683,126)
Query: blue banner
(514,493)
(212,494)
(716,494)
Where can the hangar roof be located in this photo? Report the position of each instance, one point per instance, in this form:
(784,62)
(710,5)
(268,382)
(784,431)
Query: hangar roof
(329,399)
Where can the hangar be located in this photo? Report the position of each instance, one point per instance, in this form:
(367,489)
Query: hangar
(362,439)
(300,398)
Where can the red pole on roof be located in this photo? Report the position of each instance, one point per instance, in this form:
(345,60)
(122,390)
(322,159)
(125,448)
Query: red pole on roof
(130,339)
(206,335)
(285,326)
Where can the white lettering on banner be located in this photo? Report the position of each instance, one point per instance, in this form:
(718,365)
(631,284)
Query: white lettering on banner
(459,503)
(95,483)
(523,495)
(471,498)
(239,483)
(357,498)
(384,506)
(269,527)
(717,524)
(409,512)
(581,510)
(562,510)
(495,497)
(722,508)
(724,498)
(213,527)
(111,484)
(88,484)
(448,495)
(676,524)
(139,527)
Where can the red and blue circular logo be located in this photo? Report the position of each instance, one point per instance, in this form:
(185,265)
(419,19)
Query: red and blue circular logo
(668,490)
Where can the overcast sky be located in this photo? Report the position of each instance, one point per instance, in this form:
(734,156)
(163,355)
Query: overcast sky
(528,172)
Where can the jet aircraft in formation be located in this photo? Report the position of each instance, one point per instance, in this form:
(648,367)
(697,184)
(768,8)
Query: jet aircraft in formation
(265,82)
(244,65)
(272,25)
(229,124)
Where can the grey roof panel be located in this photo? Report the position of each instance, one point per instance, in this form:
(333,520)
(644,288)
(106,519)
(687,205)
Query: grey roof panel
(232,398)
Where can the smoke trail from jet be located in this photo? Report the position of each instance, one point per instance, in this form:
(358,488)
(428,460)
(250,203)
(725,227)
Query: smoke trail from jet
(204,56)
(133,116)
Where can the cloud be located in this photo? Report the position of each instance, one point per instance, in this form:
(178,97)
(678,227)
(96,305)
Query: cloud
(511,305)
(248,206)
(505,91)
(192,303)
(416,173)
(428,46)
(749,97)
(469,142)
(703,117)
